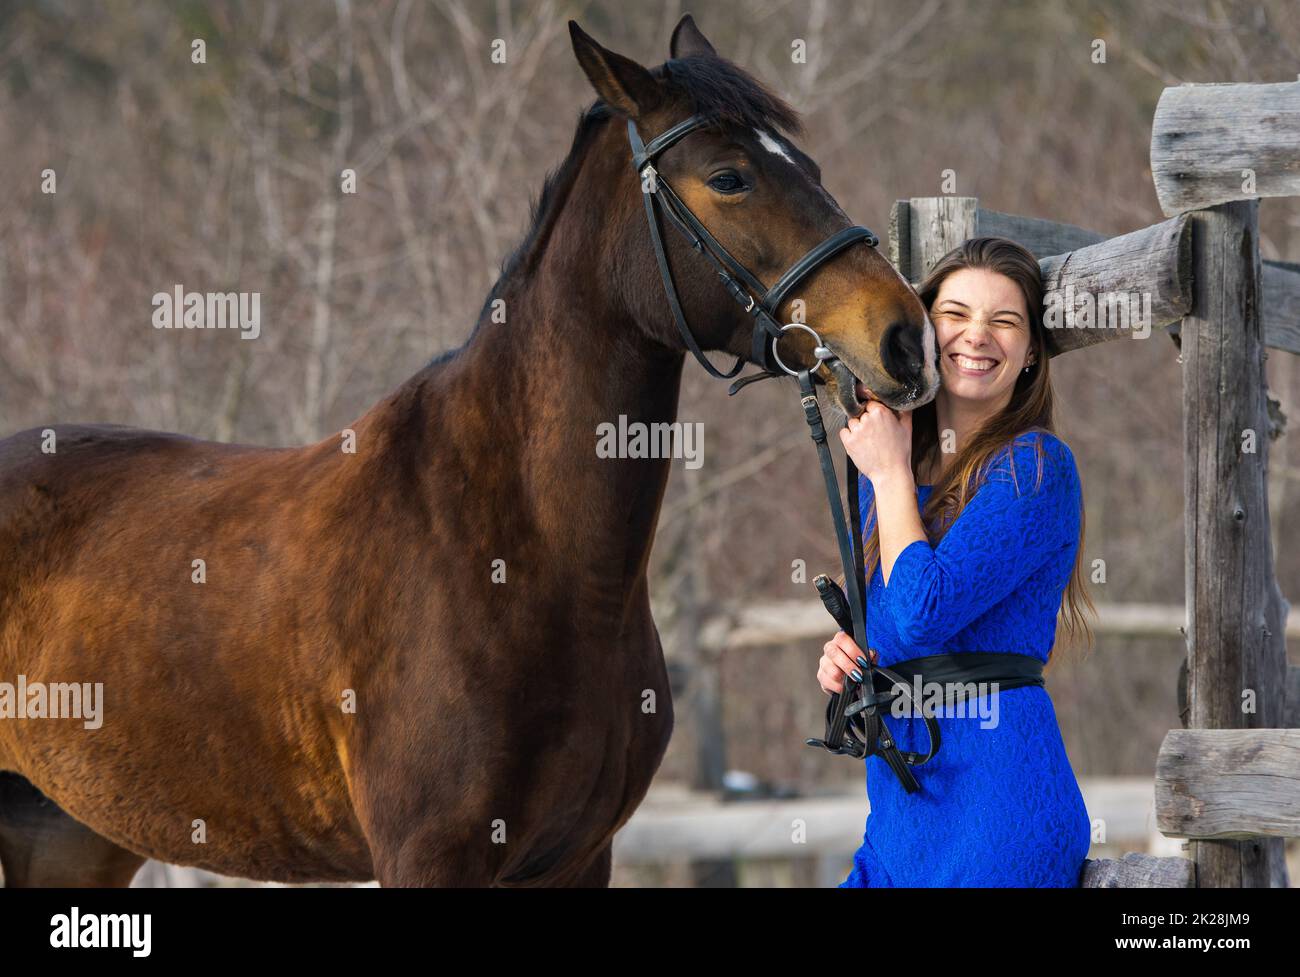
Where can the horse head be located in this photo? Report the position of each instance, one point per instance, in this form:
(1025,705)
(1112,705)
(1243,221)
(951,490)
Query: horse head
(761,198)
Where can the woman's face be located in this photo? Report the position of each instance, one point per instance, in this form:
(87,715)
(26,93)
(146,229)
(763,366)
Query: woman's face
(982,328)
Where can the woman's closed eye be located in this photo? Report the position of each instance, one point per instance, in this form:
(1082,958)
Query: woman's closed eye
(959,317)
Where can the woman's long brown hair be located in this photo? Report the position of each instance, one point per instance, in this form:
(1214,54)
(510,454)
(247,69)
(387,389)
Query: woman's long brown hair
(1030,409)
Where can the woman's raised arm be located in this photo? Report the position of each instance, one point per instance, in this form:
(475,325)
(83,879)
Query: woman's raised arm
(1007,530)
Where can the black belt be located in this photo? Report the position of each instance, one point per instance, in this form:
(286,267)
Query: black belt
(959,673)
(1009,671)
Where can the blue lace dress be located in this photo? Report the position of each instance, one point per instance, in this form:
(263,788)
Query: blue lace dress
(998,806)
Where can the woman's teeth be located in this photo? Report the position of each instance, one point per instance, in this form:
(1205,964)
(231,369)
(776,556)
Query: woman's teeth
(969,364)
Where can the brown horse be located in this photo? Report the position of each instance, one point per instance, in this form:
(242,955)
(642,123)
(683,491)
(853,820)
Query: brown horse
(429,660)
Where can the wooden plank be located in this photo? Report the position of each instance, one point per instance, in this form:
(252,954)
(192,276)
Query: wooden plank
(1236,650)
(1043,238)
(1204,136)
(900,238)
(1052,239)
(1138,871)
(1150,266)
(1147,272)
(1047,239)
(705,827)
(676,823)
(1228,784)
(1291,711)
(1281,308)
(936,225)
(758,624)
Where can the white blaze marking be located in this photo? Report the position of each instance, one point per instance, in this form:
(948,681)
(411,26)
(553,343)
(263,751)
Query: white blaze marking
(929,340)
(772,146)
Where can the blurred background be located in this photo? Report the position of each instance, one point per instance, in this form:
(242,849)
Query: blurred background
(225,176)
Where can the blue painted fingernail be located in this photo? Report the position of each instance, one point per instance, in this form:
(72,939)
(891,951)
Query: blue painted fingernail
(863,662)
(857,676)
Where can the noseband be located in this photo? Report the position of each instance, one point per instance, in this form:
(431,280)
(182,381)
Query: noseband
(856,730)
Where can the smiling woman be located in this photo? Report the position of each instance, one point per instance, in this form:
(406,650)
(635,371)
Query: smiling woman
(973,534)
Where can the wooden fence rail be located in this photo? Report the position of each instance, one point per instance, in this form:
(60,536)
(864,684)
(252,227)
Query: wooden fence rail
(733,627)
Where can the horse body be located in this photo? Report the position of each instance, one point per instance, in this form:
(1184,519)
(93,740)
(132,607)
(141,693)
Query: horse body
(515,704)
(430,660)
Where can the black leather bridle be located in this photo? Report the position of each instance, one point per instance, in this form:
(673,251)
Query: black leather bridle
(762,303)
(854,725)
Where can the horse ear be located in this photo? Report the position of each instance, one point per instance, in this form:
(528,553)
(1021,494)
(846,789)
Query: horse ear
(688,40)
(620,81)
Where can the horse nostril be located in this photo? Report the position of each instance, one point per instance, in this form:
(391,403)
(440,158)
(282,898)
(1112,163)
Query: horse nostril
(900,352)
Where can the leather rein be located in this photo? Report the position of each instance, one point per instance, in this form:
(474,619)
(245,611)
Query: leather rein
(854,724)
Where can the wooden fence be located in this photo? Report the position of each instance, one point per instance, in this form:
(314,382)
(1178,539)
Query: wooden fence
(1230,781)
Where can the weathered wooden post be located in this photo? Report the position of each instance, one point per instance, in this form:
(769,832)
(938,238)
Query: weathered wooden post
(1234,626)
(922,230)
(1214,150)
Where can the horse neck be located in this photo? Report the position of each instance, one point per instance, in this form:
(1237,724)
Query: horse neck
(525,397)
(565,363)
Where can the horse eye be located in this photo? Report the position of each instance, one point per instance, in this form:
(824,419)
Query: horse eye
(727,183)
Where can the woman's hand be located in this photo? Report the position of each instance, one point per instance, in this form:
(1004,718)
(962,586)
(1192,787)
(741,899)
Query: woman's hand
(879,441)
(841,656)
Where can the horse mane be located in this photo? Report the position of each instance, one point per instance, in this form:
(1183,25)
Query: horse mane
(728,95)
(723,93)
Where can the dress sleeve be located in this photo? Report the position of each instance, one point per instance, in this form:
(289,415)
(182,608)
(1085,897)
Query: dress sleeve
(866,495)
(1009,528)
